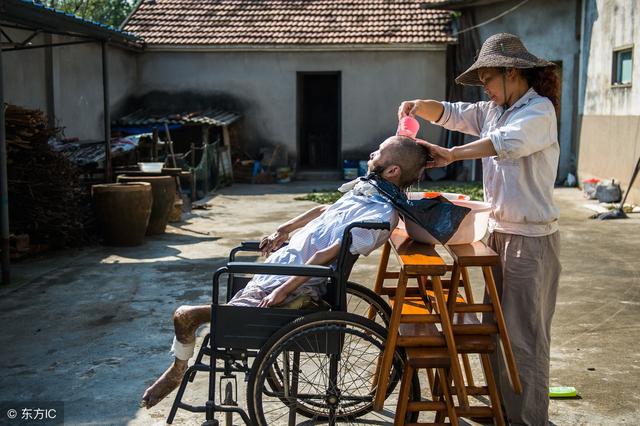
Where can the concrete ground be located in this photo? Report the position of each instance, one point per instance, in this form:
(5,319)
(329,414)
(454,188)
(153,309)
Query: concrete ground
(93,327)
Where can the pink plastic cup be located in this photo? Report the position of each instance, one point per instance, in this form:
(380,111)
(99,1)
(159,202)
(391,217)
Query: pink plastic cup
(408,126)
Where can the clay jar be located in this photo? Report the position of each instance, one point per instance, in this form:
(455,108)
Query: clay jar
(122,211)
(163,189)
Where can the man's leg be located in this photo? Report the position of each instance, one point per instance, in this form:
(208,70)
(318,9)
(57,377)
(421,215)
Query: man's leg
(186,321)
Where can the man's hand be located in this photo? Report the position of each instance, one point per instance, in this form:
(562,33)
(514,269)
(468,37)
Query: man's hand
(273,242)
(275,298)
(441,156)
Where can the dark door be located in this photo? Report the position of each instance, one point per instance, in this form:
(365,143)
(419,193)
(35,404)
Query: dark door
(319,120)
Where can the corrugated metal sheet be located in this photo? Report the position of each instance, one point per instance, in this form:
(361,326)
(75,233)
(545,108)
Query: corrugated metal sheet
(211,116)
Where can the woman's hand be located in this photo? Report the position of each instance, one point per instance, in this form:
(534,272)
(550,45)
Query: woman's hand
(273,242)
(407,108)
(441,156)
(274,298)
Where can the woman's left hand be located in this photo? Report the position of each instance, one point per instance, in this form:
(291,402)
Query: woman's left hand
(441,156)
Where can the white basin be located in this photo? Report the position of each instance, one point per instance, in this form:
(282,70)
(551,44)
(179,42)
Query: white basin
(473,227)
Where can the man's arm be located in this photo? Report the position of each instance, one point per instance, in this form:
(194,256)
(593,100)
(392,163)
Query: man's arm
(274,241)
(322,257)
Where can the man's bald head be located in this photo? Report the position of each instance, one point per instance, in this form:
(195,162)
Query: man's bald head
(409,155)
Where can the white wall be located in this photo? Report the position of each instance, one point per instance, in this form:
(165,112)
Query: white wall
(263,84)
(615,23)
(610,120)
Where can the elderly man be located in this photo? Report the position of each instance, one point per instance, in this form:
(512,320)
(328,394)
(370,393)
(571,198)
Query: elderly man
(398,160)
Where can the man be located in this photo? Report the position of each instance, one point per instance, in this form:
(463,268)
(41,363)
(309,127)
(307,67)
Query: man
(399,160)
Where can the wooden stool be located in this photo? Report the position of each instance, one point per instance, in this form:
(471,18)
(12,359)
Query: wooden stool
(432,358)
(479,255)
(415,260)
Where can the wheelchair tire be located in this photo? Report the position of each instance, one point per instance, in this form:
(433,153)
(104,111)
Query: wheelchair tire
(361,343)
(361,298)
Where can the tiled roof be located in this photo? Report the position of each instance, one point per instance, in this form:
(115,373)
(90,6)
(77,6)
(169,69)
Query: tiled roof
(289,22)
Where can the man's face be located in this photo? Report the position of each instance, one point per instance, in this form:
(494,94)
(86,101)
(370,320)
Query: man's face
(378,160)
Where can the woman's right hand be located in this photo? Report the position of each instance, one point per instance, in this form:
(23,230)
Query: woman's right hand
(407,108)
(273,242)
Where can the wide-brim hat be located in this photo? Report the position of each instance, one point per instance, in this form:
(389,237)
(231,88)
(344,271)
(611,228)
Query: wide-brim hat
(501,50)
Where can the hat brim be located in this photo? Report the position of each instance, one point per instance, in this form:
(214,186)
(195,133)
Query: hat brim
(471,78)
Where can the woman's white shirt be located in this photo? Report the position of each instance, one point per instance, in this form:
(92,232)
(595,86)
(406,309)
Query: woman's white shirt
(519,181)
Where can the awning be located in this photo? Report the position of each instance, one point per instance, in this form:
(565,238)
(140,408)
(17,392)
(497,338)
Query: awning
(150,118)
(30,15)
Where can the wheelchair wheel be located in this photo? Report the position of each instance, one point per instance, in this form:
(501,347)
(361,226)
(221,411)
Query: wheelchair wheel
(325,370)
(366,303)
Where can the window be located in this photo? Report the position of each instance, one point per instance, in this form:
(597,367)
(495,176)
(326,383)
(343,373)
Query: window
(622,66)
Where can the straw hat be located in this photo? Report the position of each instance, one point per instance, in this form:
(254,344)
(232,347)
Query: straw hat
(501,50)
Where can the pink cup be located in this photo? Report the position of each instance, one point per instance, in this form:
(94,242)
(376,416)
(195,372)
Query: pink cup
(408,126)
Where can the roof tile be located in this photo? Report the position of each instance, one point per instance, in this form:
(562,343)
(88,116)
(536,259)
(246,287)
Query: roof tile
(289,22)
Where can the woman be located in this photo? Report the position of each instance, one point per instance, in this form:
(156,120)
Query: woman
(518,144)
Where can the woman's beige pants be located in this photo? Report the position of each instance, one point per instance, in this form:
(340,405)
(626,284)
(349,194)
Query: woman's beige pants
(527,282)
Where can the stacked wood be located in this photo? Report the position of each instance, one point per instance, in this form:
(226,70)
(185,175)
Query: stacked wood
(46,199)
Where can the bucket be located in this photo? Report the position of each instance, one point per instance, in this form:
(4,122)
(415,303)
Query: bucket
(350,169)
(163,189)
(283,174)
(122,211)
(363,167)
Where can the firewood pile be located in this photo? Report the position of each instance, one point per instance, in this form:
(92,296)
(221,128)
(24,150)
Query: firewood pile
(46,199)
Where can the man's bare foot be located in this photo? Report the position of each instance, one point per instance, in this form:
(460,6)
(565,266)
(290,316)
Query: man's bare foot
(169,380)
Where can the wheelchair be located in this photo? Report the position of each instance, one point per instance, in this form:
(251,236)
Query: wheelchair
(300,366)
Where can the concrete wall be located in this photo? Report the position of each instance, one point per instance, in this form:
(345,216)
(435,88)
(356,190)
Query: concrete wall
(548,30)
(76,82)
(262,85)
(24,73)
(610,130)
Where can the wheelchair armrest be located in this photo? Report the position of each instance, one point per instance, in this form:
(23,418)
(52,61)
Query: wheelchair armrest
(250,245)
(254,245)
(385,226)
(276,269)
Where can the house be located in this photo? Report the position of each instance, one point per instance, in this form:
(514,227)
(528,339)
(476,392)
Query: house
(322,78)
(609,100)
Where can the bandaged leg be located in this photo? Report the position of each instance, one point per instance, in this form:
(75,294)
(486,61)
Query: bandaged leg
(182,351)
(186,321)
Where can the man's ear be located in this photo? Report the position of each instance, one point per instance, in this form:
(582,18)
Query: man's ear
(392,171)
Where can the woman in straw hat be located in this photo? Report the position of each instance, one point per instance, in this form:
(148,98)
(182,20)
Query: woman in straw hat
(518,144)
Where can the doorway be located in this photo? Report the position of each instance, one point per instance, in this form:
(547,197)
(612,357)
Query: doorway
(319,126)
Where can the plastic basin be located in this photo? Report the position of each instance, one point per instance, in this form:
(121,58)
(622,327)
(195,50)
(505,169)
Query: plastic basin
(473,227)
(151,167)
(451,196)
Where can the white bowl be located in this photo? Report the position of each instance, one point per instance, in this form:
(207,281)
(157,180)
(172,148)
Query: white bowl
(151,167)
(451,196)
(472,228)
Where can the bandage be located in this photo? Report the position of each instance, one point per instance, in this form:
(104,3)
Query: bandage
(182,351)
